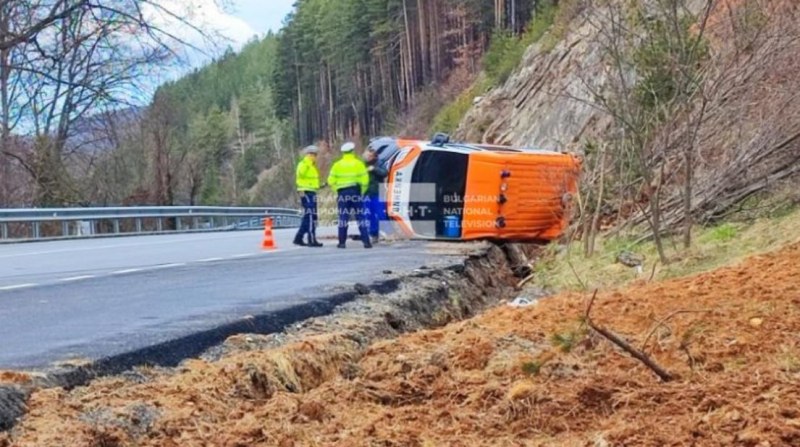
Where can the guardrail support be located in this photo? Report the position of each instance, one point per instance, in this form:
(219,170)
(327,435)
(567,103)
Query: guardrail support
(4,230)
(36,231)
(138,225)
(159,225)
(65,228)
(116,226)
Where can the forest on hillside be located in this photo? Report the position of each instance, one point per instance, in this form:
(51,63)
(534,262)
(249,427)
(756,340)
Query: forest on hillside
(228,133)
(339,69)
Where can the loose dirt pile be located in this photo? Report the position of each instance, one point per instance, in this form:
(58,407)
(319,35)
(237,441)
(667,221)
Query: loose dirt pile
(514,376)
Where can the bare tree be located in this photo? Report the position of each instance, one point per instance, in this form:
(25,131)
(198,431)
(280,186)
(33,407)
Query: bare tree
(657,97)
(63,60)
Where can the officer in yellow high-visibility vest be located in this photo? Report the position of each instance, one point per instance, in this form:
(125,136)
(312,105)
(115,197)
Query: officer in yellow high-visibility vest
(349,178)
(307,180)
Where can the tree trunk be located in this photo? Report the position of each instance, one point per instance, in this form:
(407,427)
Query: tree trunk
(423,41)
(601,191)
(655,212)
(687,198)
(409,56)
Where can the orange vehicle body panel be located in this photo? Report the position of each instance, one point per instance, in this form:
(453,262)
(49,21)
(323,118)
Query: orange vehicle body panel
(537,190)
(538,193)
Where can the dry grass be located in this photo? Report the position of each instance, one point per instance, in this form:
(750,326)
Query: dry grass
(713,247)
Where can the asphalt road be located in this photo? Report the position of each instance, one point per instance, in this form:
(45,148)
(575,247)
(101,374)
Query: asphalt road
(91,299)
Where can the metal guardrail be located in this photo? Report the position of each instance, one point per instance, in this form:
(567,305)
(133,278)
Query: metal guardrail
(62,223)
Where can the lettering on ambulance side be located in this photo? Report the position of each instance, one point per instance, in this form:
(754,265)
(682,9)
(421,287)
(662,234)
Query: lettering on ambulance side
(400,191)
(397,191)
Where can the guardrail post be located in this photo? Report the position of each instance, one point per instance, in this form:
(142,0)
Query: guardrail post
(195,223)
(64,228)
(4,230)
(177,224)
(116,226)
(36,229)
(159,225)
(138,225)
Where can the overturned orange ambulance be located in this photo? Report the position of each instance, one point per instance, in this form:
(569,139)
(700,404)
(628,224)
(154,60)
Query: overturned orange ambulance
(442,190)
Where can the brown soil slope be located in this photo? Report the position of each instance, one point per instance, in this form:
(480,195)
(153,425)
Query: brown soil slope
(514,376)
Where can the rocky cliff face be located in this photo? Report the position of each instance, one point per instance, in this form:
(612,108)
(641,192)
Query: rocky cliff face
(547,102)
(748,137)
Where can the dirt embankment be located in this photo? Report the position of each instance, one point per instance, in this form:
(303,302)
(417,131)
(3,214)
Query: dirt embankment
(514,376)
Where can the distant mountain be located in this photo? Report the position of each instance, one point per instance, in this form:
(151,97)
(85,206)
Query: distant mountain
(101,132)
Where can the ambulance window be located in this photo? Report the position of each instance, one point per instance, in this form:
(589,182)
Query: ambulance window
(443,175)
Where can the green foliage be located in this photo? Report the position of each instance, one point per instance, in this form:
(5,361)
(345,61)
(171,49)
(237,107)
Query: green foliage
(506,50)
(723,233)
(211,192)
(667,64)
(226,118)
(449,117)
(562,17)
(503,55)
(566,341)
(532,368)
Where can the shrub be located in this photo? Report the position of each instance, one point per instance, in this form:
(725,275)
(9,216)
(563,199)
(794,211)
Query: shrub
(506,50)
(449,117)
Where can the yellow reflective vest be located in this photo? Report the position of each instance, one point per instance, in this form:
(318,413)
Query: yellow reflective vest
(307,175)
(349,171)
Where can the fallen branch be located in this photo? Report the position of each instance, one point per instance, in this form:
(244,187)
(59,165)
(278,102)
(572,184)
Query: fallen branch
(622,344)
(525,281)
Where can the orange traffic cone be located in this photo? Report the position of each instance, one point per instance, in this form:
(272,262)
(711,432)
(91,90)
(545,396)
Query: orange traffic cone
(269,241)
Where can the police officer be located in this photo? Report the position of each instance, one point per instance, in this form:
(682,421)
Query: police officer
(307,180)
(350,179)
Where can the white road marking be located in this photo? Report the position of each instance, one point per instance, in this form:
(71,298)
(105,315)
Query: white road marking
(17,286)
(210,260)
(162,240)
(245,255)
(123,272)
(150,268)
(77,278)
(166,266)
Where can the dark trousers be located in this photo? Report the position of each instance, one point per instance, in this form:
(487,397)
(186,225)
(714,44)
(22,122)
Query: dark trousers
(376,212)
(308,224)
(351,206)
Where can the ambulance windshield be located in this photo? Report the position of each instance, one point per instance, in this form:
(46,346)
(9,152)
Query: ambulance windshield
(437,190)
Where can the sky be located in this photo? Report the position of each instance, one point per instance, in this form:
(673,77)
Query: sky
(240,20)
(237,22)
(262,15)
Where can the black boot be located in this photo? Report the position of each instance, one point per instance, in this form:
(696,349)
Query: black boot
(313,242)
(299,242)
